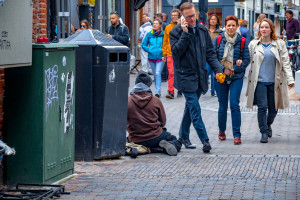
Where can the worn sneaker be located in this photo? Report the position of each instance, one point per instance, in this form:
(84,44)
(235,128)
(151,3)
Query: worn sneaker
(170,95)
(179,94)
(168,147)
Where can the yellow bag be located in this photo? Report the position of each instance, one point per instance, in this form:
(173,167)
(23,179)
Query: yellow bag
(140,148)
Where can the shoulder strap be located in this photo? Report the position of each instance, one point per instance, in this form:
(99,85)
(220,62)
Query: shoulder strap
(243,43)
(242,47)
(219,40)
(218,44)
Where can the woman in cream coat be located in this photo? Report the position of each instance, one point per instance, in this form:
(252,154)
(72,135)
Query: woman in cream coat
(269,77)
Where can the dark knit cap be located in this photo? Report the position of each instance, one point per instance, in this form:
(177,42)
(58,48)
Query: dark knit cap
(143,77)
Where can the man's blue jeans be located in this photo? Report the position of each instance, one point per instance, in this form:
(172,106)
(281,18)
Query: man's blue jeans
(223,90)
(212,78)
(156,70)
(266,112)
(192,114)
(153,144)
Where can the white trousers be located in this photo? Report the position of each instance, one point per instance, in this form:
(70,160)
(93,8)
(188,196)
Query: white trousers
(145,63)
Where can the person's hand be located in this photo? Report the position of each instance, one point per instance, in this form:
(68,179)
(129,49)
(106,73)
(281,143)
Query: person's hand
(227,71)
(184,25)
(164,59)
(239,62)
(291,85)
(109,36)
(78,30)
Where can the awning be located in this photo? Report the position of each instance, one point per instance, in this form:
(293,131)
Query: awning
(138,4)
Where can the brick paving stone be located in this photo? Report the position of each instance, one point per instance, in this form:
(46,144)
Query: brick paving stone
(248,171)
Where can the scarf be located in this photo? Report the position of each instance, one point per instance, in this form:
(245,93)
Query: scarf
(227,60)
(156,33)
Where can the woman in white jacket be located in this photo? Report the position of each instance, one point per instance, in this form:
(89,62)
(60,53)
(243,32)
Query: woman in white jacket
(269,77)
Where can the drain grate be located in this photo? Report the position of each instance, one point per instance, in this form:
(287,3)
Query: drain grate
(32,191)
(293,109)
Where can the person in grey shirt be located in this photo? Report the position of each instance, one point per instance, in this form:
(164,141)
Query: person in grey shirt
(270,69)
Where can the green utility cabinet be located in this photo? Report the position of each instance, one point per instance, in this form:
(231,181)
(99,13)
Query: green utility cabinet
(40,115)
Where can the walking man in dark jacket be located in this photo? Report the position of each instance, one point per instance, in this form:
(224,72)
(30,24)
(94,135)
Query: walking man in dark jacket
(118,31)
(191,48)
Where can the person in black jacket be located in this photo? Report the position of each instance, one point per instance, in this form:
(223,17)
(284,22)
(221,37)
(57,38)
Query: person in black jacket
(118,31)
(191,48)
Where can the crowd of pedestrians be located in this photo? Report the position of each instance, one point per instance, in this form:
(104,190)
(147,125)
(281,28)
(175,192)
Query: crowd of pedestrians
(193,52)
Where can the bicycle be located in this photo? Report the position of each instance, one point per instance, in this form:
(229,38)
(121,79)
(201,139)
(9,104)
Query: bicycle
(293,47)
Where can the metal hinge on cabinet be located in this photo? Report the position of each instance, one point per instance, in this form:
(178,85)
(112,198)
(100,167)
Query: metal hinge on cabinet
(59,113)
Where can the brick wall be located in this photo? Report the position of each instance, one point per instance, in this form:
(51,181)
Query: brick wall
(39,22)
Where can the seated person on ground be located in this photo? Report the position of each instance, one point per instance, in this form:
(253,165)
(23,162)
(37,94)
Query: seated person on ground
(146,119)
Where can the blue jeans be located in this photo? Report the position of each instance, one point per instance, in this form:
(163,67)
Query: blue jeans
(212,78)
(153,144)
(192,114)
(264,95)
(156,70)
(223,90)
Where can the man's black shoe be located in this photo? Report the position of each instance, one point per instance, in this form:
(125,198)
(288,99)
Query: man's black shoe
(264,138)
(168,147)
(179,94)
(187,143)
(213,94)
(206,146)
(269,131)
(170,95)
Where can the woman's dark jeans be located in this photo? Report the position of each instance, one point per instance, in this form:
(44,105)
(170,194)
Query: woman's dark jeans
(233,88)
(153,144)
(266,113)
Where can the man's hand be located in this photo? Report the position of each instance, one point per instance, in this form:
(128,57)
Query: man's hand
(184,25)
(164,59)
(227,72)
(109,36)
(239,62)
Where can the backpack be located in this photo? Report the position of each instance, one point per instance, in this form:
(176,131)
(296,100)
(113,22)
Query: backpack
(241,49)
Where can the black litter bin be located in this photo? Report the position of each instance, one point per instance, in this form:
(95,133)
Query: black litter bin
(102,68)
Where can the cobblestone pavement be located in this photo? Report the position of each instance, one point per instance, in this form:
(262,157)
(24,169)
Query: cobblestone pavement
(248,171)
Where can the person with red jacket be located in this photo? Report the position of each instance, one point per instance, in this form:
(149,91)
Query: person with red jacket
(146,119)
